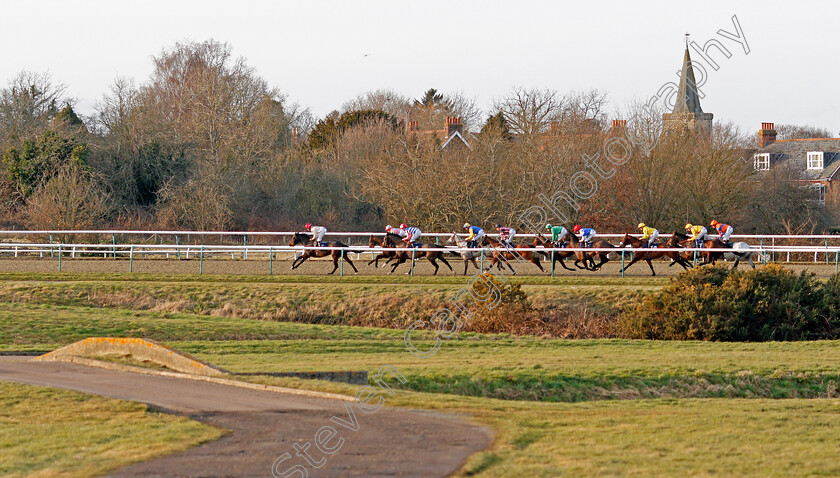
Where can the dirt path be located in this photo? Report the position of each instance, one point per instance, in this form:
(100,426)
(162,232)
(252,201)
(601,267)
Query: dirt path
(265,425)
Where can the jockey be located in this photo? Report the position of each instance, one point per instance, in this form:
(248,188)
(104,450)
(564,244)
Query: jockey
(586,234)
(412,235)
(476,234)
(396,231)
(558,233)
(648,234)
(698,234)
(724,231)
(317,233)
(506,235)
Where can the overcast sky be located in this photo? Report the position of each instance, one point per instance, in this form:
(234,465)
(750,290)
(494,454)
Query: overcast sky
(314,51)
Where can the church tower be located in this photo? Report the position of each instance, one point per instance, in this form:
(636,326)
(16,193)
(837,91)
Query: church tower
(687,114)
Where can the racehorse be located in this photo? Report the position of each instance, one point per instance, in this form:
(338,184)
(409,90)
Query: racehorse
(740,250)
(587,258)
(653,254)
(502,255)
(303,240)
(468,256)
(395,241)
(379,242)
(558,255)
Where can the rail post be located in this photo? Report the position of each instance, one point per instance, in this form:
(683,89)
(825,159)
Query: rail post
(201,261)
(694,262)
(341,272)
(836,261)
(270,261)
(482,259)
(412,260)
(245,247)
(826,251)
(131,259)
(51,249)
(552,261)
(59,258)
(177,247)
(622,263)
(114,242)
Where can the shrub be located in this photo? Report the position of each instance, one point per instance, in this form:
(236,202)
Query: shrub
(770,303)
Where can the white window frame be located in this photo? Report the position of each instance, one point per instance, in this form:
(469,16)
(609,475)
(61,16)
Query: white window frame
(815,160)
(761,162)
(819,191)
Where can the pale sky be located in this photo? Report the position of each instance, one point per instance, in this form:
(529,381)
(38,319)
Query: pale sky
(314,51)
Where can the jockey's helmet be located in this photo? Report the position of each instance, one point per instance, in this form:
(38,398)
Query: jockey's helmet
(466,225)
(714,222)
(548,226)
(641,225)
(308,226)
(388,228)
(576,228)
(688,226)
(403,226)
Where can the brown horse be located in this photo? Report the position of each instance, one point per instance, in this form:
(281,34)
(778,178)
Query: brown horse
(403,252)
(587,258)
(559,256)
(653,254)
(303,240)
(501,256)
(378,242)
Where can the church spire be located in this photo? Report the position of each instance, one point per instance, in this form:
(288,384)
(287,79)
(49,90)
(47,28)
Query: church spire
(687,99)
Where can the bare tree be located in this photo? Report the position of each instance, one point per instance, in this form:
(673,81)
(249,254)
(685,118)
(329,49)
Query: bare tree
(795,131)
(28,102)
(529,111)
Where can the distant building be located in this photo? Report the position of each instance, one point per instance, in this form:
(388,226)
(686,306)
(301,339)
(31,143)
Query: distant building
(815,160)
(687,114)
(451,136)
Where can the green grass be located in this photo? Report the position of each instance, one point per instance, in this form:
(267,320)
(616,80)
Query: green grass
(51,432)
(557,407)
(317,279)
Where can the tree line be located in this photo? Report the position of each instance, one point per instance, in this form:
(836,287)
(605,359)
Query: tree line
(205,143)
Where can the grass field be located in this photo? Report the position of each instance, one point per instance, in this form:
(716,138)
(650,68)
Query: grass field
(558,407)
(51,432)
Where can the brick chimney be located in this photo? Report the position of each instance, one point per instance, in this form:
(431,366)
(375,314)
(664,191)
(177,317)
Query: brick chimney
(766,134)
(413,126)
(618,126)
(554,128)
(453,124)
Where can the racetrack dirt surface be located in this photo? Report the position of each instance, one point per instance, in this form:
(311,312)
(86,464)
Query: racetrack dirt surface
(265,425)
(259,265)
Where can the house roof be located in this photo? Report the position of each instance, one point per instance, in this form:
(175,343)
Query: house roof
(452,136)
(794,152)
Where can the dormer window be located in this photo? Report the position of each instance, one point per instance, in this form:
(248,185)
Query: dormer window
(815,160)
(761,162)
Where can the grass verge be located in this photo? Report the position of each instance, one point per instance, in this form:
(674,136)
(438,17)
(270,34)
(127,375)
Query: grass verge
(51,432)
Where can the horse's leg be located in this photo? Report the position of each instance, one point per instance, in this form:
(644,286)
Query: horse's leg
(443,259)
(647,259)
(562,260)
(737,260)
(636,259)
(347,259)
(466,263)
(300,260)
(335,258)
(536,262)
(434,263)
